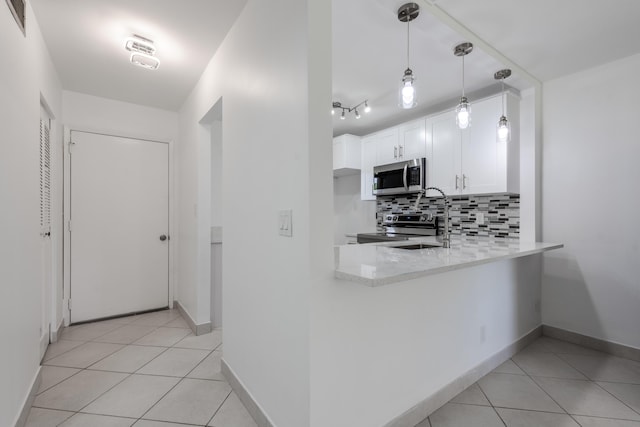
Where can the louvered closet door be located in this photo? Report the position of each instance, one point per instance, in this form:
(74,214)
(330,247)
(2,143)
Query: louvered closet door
(45,229)
(119,211)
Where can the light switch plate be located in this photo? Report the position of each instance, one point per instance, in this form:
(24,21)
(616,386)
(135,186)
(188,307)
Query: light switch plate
(285,225)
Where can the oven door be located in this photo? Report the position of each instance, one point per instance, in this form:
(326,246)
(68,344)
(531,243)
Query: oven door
(401,177)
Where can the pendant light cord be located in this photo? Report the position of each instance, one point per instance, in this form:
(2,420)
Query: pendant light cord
(502,96)
(463,76)
(408,42)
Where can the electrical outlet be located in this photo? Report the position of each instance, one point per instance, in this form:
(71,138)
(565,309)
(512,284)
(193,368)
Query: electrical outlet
(483,334)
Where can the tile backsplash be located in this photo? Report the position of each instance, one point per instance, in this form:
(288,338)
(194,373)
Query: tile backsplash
(500,212)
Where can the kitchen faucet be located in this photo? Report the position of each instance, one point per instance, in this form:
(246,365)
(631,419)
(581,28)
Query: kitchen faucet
(446,237)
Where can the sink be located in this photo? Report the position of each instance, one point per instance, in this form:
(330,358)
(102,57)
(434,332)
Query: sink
(415,246)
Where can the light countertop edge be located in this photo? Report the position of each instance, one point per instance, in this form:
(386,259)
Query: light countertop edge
(401,277)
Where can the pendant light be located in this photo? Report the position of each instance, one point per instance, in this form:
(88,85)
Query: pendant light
(408,98)
(504,127)
(463,110)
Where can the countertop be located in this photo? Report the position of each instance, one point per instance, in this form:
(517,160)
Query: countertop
(376,264)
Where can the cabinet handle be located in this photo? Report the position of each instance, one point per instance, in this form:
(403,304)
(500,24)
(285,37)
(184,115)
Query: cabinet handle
(400,151)
(395,152)
(457,179)
(464,181)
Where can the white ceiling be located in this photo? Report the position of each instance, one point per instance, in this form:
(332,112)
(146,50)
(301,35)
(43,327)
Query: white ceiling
(547,38)
(86,41)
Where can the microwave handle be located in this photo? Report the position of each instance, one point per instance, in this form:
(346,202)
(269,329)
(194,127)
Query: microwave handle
(404,177)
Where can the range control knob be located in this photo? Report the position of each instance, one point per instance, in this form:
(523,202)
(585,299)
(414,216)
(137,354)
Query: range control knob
(395,218)
(423,218)
(389,217)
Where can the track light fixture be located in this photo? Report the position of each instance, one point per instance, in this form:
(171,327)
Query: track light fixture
(504,127)
(338,106)
(408,98)
(463,110)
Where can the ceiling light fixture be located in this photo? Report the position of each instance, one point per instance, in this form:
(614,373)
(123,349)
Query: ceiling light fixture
(338,106)
(504,127)
(463,110)
(142,52)
(408,98)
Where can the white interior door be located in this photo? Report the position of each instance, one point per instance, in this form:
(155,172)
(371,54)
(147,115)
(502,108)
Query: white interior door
(45,229)
(119,226)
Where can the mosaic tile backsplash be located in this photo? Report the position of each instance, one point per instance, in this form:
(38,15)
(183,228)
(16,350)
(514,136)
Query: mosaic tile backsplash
(501,212)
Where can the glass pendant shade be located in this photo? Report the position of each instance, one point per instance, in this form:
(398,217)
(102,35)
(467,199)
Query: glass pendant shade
(408,91)
(463,113)
(504,130)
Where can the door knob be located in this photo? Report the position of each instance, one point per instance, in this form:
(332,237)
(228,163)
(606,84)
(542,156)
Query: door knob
(163,238)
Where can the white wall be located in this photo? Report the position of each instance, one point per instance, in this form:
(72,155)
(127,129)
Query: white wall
(590,202)
(377,352)
(266,73)
(26,75)
(350,214)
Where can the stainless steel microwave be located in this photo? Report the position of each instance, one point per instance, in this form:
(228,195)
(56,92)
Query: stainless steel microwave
(408,176)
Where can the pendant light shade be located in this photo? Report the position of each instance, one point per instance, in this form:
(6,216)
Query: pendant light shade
(463,110)
(503,130)
(407,93)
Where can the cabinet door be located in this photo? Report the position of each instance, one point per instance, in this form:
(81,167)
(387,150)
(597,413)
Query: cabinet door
(387,146)
(368,145)
(484,160)
(444,165)
(412,141)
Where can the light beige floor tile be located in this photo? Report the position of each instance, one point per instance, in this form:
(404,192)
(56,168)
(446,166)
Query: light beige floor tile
(79,390)
(177,323)
(132,397)
(175,362)
(508,367)
(517,392)
(546,365)
(232,413)
(84,355)
(89,331)
(563,347)
(158,318)
(126,334)
(39,417)
(520,418)
(129,359)
(604,422)
(472,396)
(424,423)
(628,393)
(149,423)
(204,342)
(605,367)
(52,375)
(457,415)
(209,368)
(88,420)
(585,398)
(191,401)
(164,337)
(538,345)
(60,347)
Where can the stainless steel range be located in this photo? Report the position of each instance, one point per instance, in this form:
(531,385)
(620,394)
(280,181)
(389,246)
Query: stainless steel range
(402,227)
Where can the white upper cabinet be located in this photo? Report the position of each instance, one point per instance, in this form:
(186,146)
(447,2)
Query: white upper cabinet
(346,155)
(387,146)
(412,140)
(369,148)
(472,161)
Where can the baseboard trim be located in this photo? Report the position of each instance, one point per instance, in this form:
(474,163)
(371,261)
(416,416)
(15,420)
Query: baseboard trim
(429,405)
(21,421)
(253,407)
(197,329)
(55,334)
(605,346)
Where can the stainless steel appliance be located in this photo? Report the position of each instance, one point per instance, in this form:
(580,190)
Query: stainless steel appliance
(399,227)
(397,178)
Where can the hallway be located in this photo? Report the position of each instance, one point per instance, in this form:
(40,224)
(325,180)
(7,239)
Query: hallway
(147,370)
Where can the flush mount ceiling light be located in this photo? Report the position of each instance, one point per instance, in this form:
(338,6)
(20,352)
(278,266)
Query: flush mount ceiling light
(504,127)
(142,52)
(463,110)
(408,99)
(338,106)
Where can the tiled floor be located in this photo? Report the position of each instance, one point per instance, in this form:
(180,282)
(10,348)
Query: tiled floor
(150,371)
(142,371)
(550,383)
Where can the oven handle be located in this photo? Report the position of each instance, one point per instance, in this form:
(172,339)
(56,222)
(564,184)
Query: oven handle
(404,177)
